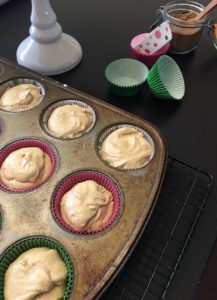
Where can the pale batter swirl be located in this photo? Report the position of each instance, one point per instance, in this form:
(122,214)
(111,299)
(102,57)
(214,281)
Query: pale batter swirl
(20,97)
(37,274)
(25,168)
(69,121)
(87,206)
(126,148)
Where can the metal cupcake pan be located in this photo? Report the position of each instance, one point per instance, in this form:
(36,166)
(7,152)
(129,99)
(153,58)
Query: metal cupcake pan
(30,214)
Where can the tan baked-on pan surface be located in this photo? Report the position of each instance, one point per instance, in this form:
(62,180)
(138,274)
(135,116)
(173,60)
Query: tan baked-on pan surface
(97,258)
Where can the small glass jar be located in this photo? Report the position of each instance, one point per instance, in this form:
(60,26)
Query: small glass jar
(186,33)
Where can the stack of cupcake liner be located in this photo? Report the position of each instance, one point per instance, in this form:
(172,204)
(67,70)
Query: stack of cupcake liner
(148,59)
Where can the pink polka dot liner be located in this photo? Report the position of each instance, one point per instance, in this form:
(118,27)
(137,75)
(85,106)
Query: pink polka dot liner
(144,55)
(24,143)
(79,176)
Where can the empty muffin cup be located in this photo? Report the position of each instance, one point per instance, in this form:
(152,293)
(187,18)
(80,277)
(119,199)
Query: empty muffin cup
(46,148)
(146,58)
(165,79)
(108,183)
(21,94)
(126,76)
(130,147)
(18,248)
(68,125)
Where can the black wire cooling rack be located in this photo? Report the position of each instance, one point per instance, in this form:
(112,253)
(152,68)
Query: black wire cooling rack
(151,267)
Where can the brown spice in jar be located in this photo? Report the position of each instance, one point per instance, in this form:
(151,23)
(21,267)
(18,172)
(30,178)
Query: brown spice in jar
(185,39)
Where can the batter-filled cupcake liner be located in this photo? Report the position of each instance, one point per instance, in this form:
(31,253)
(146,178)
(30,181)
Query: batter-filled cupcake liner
(47,113)
(24,143)
(80,176)
(15,250)
(17,81)
(107,131)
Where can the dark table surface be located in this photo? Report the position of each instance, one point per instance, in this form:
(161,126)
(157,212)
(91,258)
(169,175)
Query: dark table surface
(104,30)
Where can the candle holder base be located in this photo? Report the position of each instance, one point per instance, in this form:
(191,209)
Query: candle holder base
(50,58)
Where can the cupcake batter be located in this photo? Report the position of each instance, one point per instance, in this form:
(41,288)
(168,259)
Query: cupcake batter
(69,121)
(126,148)
(25,168)
(37,274)
(87,206)
(20,97)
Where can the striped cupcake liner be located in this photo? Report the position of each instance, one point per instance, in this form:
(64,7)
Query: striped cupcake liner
(107,131)
(165,79)
(17,81)
(47,112)
(15,250)
(29,142)
(80,176)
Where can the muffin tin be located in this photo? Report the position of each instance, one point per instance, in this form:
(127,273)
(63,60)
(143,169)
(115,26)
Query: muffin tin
(97,257)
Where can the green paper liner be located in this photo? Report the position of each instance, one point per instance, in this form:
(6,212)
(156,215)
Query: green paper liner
(166,68)
(12,253)
(126,76)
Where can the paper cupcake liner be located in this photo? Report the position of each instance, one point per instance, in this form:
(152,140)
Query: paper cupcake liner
(80,176)
(147,59)
(107,131)
(165,79)
(16,81)
(15,250)
(23,143)
(47,112)
(126,76)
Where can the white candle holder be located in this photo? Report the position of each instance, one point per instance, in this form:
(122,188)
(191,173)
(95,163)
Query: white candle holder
(48,50)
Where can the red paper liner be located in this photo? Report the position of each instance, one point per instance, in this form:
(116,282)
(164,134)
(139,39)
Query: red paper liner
(148,59)
(48,111)
(79,176)
(23,143)
(107,131)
